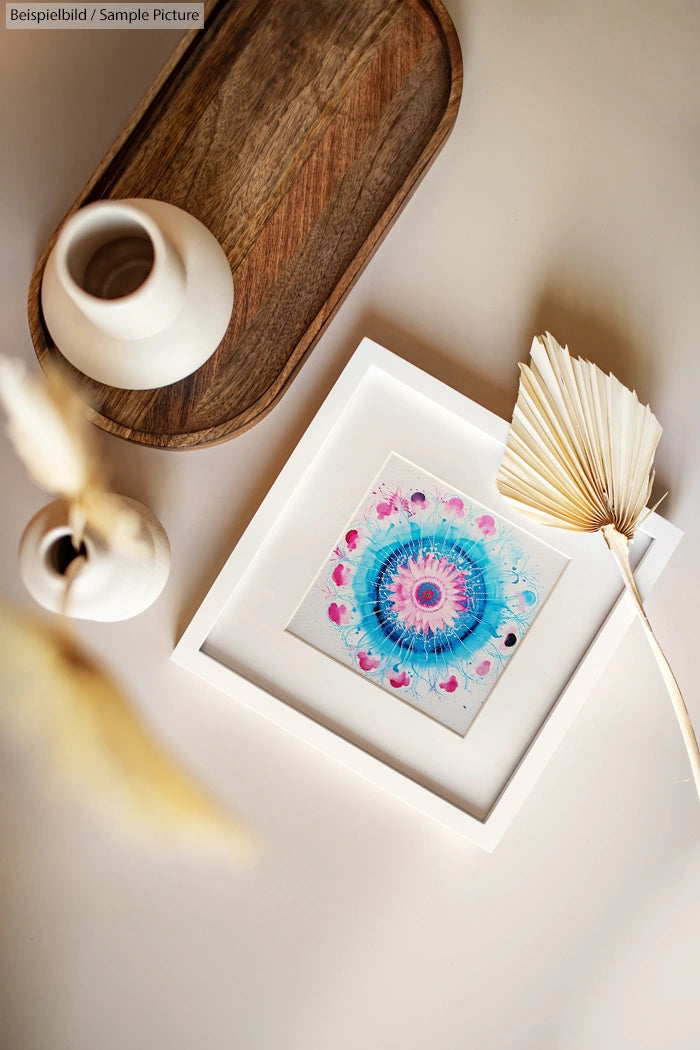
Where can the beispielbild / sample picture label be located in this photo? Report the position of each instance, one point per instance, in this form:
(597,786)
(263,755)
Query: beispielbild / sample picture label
(104,16)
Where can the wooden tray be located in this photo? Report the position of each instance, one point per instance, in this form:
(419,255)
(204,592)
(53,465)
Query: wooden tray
(295,130)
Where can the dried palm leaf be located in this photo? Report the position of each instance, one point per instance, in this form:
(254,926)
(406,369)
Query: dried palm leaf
(52,694)
(47,425)
(579,456)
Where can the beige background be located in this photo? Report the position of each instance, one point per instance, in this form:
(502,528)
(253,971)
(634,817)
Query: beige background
(566,198)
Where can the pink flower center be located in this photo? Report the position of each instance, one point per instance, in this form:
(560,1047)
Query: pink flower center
(428,593)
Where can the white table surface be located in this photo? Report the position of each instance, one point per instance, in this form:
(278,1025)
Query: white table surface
(566,199)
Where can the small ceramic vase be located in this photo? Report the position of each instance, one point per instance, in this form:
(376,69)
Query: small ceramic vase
(136,293)
(111,585)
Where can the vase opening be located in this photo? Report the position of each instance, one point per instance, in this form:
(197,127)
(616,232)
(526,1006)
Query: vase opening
(112,259)
(63,553)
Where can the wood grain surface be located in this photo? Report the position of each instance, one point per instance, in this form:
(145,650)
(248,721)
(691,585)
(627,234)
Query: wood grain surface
(294,130)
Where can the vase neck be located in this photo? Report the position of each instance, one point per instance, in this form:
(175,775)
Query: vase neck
(120,270)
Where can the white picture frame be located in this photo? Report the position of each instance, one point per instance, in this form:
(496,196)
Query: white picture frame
(238,642)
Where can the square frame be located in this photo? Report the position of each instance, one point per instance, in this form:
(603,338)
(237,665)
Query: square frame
(473,784)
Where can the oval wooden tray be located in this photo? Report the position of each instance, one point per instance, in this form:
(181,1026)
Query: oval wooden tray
(295,130)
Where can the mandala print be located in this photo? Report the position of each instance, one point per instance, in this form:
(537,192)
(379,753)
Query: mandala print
(428,595)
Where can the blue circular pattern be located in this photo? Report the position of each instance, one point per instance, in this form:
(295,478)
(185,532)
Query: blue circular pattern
(466,632)
(428,594)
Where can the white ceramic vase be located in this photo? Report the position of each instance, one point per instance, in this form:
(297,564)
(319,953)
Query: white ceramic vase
(136,293)
(112,585)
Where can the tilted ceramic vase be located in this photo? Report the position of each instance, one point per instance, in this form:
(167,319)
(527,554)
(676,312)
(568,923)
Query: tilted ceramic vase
(136,293)
(113,584)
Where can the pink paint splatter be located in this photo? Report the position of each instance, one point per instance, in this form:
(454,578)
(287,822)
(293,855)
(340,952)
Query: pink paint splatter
(484,667)
(400,680)
(487,525)
(455,506)
(450,685)
(341,575)
(384,510)
(351,539)
(338,613)
(393,501)
(367,662)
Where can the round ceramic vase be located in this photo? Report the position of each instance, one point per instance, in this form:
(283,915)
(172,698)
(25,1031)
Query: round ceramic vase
(112,585)
(136,293)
